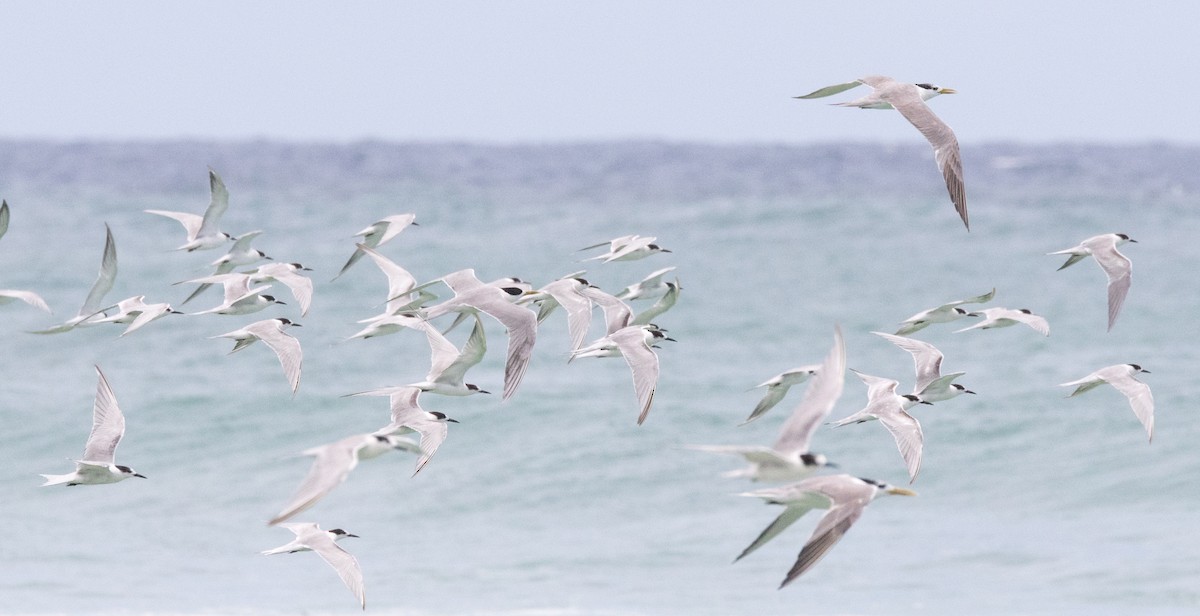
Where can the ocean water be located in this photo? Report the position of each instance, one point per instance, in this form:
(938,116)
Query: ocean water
(555,501)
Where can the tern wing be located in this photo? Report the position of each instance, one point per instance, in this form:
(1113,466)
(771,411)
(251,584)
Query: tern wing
(29,297)
(940,136)
(149,313)
(1140,399)
(106,277)
(342,562)
(332,465)
(790,515)
(664,303)
(577,305)
(819,399)
(191,222)
(522,334)
(301,287)
(831,90)
(211,222)
(617,314)
(108,425)
(926,357)
(1119,270)
(4,216)
(285,346)
(643,362)
(395,225)
(829,531)
(1039,324)
(906,430)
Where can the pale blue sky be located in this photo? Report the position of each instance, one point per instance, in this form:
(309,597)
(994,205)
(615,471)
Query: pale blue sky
(555,71)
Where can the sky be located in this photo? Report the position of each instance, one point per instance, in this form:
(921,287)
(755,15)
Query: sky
(541,71)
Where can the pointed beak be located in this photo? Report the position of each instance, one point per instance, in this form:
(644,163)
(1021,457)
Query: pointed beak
(948,91)
(831,465)
(674,340)
(1133,240)
(901,492)
(484,391)
(1144,371)
(139,475)
(451,420)
(924,402)
(967,391)
(268,258)
(175,312)
(355,536)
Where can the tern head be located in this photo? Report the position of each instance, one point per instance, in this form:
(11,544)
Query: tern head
(962,312)
(475,388)
(657,248)
(286,321)
(262,255)
(125,470)
(928,90)
(961,389)
(888,488)
(339,534)
(271,299)
(915,399)
(442,417)
(1122,238)
(1137,368)
(816,460)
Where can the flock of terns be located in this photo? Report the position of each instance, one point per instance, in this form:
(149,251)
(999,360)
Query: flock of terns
(634,336)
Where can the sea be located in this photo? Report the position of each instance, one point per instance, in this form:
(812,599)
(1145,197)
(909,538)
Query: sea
(555,501)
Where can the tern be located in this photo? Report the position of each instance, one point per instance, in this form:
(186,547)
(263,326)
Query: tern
(625,248)
(945,313)
(931,385)
(1117,267)
(790,458)
(448,366)
(333,464)
(650,287)
(98,463)
(633,343)
(569,294)
(909,99)
(239,297)
(239,254)
(617,314)
(778,386)
(1007,317)
(664,303)
(1120,377)
(100,288)
(408,417)
(400,286)
(471,295)
(135,312)
(202,231)
(271,332)
(289,275)
(891,410)
(845,496)
(310,537)
(378,233)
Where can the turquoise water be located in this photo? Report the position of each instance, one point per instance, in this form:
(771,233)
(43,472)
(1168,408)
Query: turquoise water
(555,501)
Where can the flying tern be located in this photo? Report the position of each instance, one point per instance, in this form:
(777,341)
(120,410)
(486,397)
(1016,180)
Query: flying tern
(108,426)
(400,286)
(408,417)
(569,294)
(650,287)
(931,384)
(845,496)
(1121,377)
(945,313)
(239,254)
(379,232)
(891,410)
(202,231)
(135,312)
(333,464)
(471,295)
(909,99)
(633,343)
(271,332)
(1007,317)
(625,248)
(790,458)
(310,537)
(239,297)
(778,386)
(664,303)
(1117,267)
